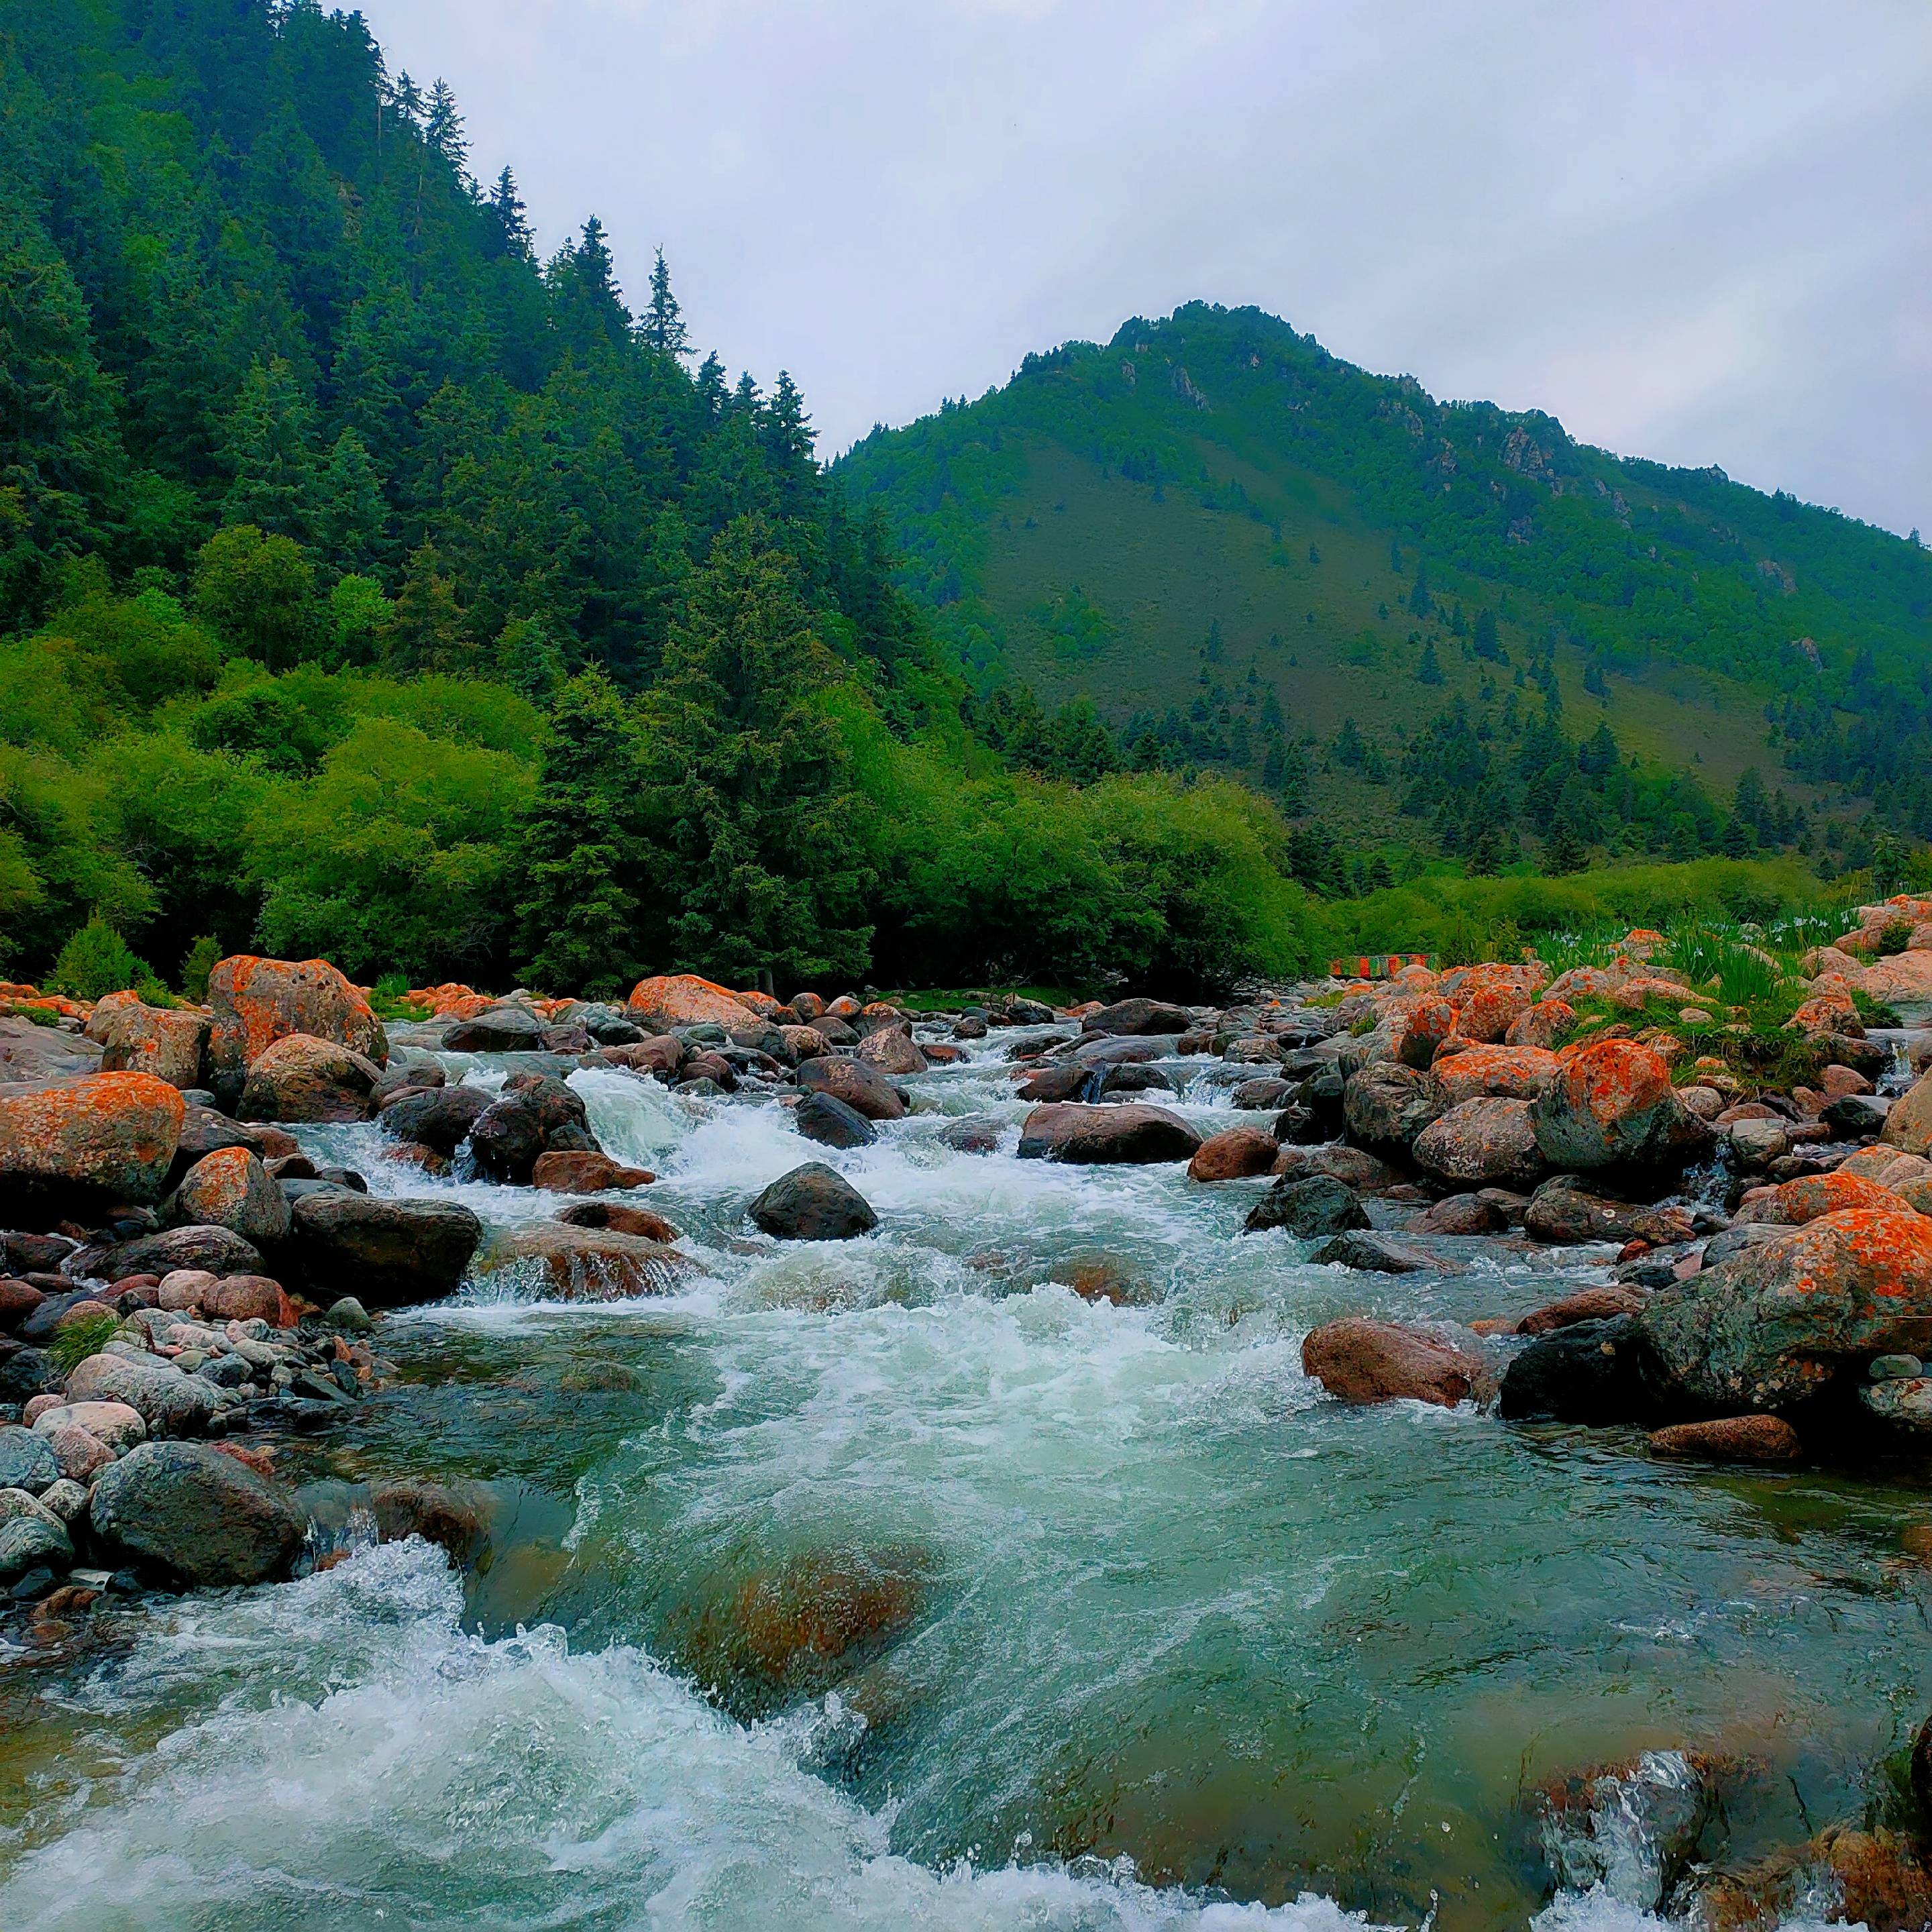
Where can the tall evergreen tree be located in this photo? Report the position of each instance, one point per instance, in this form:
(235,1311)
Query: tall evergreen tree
(662,323)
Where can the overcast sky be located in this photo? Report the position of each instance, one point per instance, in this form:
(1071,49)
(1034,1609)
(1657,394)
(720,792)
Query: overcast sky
(1699,230)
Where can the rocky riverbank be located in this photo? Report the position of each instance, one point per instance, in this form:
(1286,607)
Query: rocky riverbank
(186,1289)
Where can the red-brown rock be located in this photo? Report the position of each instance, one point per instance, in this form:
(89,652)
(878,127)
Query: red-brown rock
(168,1043)
(1361,1361)
(1587,1304)
(1731,1439)
(682,999)
(1235,1155)
(1495,1073)
(569,1171)
(1545,1025)
(230,1188)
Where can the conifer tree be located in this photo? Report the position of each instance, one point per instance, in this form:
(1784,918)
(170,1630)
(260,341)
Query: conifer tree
(662,323)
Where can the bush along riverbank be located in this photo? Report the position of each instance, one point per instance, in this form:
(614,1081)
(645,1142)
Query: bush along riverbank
(1734,1137)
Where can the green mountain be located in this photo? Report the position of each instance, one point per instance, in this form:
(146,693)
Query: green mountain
(1210,522)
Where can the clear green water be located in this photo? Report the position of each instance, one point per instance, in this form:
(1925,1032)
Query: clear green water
(1187,1644)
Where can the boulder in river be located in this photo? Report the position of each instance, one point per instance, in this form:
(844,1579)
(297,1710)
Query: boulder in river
(1370,1253)
(1386,1106)
(974,1133)
(1593,1372)
(1234,1154)
(796,1626)
(232,1189)
(1779,1323)
(1361,1361)
(1567,1209)
(1587,1304)
(812,1203)
(301,1078)
(1136,1016)
(437,1118)
(830,1121)
(1069,1080)
(682,999)
(892,1050)
(453,1516)
(1307,1205)
(571,1172)
(620,1216)
(862,1087)
(1482,1143)
(387,1253)
(195,1515)
(1796,1202)
(1129,1134)
(567,1262)
(255,1002)
(104,1137)
(527,1119)
(1612,1104)
(1730,1438)
(32,1538)
(507,1028)
(26,1460)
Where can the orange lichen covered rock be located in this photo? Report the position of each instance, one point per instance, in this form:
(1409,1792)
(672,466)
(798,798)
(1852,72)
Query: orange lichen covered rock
(1773,1326)
(1611,1104)
(168,1043)
(682,999)
(1908,1126)
(301,1078)
(253,1002)
(110,1135)
(1431,1020)
(1542,1024)
(1800,1201)
(1495,1073)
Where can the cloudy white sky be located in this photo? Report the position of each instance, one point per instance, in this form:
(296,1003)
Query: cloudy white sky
(1699,230)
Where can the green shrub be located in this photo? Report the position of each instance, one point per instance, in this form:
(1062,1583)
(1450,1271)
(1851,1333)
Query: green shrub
(97,961)
(203,956)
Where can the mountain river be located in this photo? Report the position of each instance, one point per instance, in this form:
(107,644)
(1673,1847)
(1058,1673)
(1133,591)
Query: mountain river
(1180,1642)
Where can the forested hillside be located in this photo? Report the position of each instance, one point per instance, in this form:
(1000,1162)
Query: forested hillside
(375,589)
(1440,621)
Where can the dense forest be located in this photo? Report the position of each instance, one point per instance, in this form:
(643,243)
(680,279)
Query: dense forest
(376,586)
(379,589)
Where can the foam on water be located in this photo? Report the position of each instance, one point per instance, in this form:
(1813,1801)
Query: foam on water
(361,1761)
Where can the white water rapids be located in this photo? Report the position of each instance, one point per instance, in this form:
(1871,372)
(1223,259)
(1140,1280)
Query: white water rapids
(1196,1647)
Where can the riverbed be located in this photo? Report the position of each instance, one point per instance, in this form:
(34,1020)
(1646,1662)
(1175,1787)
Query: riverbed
(1180,1642)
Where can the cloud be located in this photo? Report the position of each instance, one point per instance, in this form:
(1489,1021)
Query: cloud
(1700,234)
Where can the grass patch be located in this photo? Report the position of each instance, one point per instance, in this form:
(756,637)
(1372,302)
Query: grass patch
(73,1344)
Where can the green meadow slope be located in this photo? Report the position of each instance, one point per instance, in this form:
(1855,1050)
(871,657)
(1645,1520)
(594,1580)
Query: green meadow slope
(1211,509)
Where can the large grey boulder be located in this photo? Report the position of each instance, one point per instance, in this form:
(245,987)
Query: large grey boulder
(195,1515)
(387,1253)
(832,1122)
(1307,1205)
(812,1203)
(1387,1105)
(439,1117)
(1612,1106)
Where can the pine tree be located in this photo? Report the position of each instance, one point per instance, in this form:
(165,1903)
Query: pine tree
(578,909)
(662,323)
(512,219)
(442,128)
(351,520)
(267,447)
(1428,671)
(745,781)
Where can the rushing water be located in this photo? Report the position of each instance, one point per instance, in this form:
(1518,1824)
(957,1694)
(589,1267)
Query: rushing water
(1188,1644)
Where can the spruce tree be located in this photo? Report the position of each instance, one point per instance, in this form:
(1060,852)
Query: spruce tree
(578,909)
(662,323)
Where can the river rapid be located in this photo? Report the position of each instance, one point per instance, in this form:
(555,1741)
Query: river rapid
(1191,1646)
